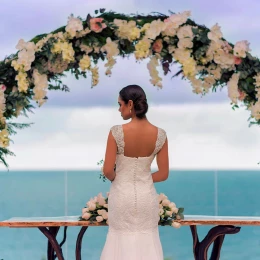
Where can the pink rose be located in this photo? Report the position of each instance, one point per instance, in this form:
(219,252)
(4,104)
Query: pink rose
(157,46)
(237,60)
(3,87)
(86,215)
(242,95)
(99,219)
(96,25)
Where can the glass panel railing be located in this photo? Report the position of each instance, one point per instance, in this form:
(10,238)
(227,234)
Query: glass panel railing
(61,193)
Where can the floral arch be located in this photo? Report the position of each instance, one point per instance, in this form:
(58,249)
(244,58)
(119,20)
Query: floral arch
(206,59)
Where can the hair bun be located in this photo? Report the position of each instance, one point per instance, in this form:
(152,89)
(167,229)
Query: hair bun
(141,107)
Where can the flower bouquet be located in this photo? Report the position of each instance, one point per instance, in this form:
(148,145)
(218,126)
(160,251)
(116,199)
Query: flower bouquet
(169,213)
(97,210)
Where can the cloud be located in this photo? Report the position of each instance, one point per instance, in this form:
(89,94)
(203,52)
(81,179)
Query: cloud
(128,71)
(201,136)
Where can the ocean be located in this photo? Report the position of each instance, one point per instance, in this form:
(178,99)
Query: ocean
(59,193)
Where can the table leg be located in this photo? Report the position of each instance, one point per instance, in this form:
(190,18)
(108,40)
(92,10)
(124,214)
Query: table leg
(53,246)
(216,235)
(79,242)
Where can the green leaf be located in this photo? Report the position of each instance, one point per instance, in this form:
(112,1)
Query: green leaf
(181,210)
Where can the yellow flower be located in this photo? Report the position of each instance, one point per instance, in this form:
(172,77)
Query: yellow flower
(4,139)
(95,76)
(181,55)
(22,81)
(65,48)
(142,49)
(134,34)
(85,62)
(57,47)
(189,67)
(145,27)
(16,65)
(127,30)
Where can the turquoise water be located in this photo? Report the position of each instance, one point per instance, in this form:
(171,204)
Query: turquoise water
(34,194)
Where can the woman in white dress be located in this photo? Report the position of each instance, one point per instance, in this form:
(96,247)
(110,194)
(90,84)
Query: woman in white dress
(133,208)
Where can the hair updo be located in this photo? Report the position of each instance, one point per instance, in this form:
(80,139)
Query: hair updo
(137,95)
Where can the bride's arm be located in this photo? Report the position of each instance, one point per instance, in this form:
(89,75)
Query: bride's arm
(110,158)
(162,159)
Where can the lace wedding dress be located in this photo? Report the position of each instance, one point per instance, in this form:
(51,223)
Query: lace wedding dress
(133,208)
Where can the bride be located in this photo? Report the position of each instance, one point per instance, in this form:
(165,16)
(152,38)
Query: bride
(133,209)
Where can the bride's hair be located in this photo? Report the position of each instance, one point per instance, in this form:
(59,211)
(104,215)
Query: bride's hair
(137,95)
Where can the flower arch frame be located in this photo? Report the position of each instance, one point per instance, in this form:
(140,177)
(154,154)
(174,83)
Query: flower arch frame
(206,59)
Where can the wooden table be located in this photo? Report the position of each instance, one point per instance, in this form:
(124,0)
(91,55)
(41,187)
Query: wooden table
(222,226)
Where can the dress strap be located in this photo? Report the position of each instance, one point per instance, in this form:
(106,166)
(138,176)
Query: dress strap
(117,132)
(161,137)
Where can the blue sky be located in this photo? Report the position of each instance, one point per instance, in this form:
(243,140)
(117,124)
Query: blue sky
(70,131)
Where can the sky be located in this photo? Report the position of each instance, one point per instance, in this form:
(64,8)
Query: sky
(70,130)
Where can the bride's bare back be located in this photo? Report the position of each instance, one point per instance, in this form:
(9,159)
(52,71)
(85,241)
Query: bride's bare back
(139,139)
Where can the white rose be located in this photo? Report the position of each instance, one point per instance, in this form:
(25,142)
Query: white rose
(179,19)
(168,213)
(21,44)
(174,210)
(172,205)
(111,48)
(161,212)
(185,43)
(100,212)
(208,82)
(181,55)
(241,48)
(225,60)
(166,202)
(176,224)
(215,33)
(156,27)
(74,25)
(185,31)
(99,219)
(84,210)
(91,206)
(169,31)
(105,205)
(161,197)
(100,199)
(105,215)
(86,215)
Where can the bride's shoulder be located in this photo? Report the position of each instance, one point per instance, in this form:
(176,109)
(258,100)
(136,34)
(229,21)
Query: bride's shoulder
(161,130)
(115,127)
(115,130)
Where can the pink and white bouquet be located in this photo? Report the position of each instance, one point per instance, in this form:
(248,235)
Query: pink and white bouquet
(169,213)
(96,209)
